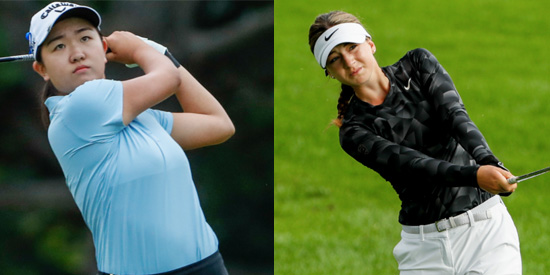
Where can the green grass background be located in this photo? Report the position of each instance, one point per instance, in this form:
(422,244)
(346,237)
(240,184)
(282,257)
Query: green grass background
(335,216)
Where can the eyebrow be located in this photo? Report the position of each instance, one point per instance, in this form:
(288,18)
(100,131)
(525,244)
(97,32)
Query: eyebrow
(47,43)
(333,51)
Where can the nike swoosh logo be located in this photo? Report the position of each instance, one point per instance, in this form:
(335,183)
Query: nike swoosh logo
(328,37)
(408,85)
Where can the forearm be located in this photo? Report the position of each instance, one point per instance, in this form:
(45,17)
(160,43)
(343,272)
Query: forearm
(204,122)
(160,81)
(127,48)
(192,96)
(152,61)
(195,98)
(470,137)
(450,109)
(397,163)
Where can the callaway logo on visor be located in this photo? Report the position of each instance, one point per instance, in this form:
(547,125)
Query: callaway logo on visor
(57,7)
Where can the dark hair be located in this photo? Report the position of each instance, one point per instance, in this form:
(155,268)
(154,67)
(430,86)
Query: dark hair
(49,89)
(322,23)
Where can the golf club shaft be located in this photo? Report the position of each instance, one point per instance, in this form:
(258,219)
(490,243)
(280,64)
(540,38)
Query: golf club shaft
(30,57)
(17,58)
(528,176)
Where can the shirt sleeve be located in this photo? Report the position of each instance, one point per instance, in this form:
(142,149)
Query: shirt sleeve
(165,119)
(94,110)
(449,106)
(397,163)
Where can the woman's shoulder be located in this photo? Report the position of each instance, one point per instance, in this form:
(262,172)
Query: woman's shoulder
(419,59)
(98,85)
(93,106)
(95,95)
(418,55)
(408,65)
(97,89)
(413,56)
(420,51)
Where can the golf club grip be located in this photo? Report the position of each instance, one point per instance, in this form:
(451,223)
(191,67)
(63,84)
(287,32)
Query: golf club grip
(17,58)
(166,53)
(512,180)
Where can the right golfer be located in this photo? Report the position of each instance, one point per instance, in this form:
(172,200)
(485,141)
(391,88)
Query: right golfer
(407,122)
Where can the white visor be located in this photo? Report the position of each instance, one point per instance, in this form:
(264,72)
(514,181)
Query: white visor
(42,22)
(341,33)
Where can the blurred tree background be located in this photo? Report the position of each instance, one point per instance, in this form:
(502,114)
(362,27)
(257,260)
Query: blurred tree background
(228,47)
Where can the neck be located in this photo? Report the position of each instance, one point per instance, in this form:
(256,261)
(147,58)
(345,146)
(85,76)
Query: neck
(374,91)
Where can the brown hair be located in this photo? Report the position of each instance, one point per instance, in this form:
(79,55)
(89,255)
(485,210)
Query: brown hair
(47,91)
(322,23)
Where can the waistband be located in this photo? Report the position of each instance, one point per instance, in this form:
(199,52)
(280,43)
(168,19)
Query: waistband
(212,264)
(478,213)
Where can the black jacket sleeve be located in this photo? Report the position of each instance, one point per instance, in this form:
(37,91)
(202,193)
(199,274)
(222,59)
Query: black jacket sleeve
(399,164)
(449,107)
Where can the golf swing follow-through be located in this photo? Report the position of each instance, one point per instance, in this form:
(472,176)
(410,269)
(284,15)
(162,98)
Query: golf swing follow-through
(125,163)
(407,122)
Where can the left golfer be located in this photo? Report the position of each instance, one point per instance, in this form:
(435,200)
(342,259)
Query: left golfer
(123,162)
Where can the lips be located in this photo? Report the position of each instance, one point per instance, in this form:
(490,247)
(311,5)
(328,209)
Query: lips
(354,72)
(81,68)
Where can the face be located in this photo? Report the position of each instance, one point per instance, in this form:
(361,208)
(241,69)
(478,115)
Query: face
(353,64)
(72,54)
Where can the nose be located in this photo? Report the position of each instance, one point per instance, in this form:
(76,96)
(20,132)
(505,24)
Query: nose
(348,59)
(77,54)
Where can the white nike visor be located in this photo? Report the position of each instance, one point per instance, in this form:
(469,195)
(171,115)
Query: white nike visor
(341,33)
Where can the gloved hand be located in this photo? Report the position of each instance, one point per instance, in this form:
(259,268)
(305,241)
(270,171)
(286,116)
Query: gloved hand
(160,48)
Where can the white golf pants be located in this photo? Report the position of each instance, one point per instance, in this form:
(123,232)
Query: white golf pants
(489,246)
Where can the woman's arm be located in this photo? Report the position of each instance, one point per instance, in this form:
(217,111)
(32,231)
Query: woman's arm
(160,81)
(450,108)
(407,168)
(204,122)
(398,163)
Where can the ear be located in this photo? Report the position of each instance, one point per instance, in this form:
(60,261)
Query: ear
(372,46)
(327,73)
(41,70)
(105,47)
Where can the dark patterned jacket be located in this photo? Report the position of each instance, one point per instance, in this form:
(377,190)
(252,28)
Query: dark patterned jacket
(421,140)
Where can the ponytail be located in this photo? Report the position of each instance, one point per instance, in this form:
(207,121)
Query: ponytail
(345,96)
(49,90)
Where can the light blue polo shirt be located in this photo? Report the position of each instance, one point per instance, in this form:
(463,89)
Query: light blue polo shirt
(132,183)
